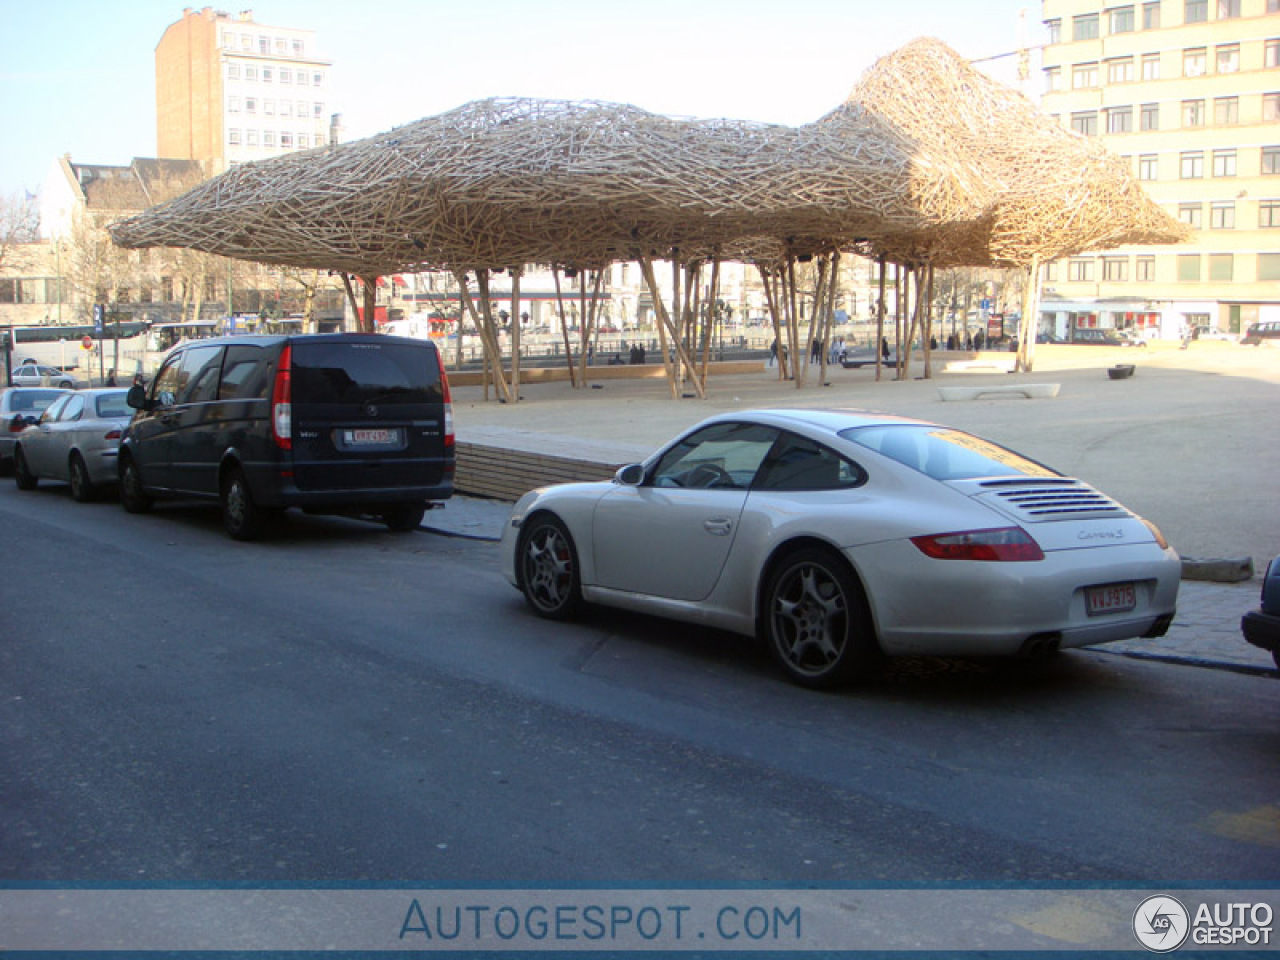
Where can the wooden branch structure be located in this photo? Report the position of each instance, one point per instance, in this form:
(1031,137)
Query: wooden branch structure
(929,163)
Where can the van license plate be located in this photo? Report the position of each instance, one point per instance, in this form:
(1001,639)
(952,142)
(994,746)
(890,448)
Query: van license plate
(1113,598)
(369,438)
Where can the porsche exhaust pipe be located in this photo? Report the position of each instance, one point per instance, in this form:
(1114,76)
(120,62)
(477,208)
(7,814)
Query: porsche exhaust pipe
(1040,646)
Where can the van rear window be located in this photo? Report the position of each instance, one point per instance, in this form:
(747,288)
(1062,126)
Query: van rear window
(387,373)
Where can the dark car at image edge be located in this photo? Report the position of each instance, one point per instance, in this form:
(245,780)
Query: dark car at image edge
(1262,626)
(330,423)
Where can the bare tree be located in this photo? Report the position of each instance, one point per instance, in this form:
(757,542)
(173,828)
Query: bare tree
(19,225)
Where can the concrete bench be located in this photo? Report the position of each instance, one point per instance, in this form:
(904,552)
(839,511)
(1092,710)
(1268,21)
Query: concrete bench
(982,365)
(1031,391)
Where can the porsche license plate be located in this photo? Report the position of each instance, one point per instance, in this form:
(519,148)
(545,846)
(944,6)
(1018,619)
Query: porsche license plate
(1113,598)
(369,438)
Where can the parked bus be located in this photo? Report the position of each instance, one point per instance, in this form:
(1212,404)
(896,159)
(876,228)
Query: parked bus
(165,335)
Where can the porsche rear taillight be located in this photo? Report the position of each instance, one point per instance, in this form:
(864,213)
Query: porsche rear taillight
(282,401)
(1003,544)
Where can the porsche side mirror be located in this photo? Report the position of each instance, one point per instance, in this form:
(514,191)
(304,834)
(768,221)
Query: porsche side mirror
(632,475)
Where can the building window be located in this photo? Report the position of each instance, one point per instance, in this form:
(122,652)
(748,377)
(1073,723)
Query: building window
(1120,71)
(1270,161)
(1147,166)
(233,104)
(1269,263)
(246,42)
(1195,11)
(1121,19)
(1228,9)
(1149,117)
(280,47)
(228,41)
(1115,268)
(264,45)
(266,74)
(1051,271)
(1120,120)
(1054,30)
(251,73)
(268,138)
(1193,113)
(1221,267)
(1145,268)
(1191,165)
(1224,163)
(317,79)
(1227,58)
(1194,62)
(286,108)
(302,108)
(286,140)
(1151,66)
(318,110)
(233,137)
(1268,214)
(1085,27)
(1190,214)
(286,76)
(1189,267)
(1085,123)
(251,138)
(269,107)
(1271,106)
(233,71)
(297,48)
(1151,15)
(1052,79)
(1080,270)
(1226,111)
(1084,75)
(302,141)
(250,104)
(1222,216)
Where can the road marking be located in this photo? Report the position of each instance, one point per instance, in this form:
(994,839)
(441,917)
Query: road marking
(1260,826)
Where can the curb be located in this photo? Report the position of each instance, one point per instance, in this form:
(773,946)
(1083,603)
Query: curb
(1230,570)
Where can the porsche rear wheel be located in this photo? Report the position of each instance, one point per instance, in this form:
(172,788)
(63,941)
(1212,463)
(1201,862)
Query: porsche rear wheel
(816,621)
(547,566)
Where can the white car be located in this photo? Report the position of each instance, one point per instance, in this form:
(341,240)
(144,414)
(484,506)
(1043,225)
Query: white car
(838,537)
(38,375)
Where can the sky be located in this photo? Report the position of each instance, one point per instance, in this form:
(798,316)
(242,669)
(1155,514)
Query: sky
(78,76)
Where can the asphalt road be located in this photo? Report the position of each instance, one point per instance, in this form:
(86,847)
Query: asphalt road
(340,703)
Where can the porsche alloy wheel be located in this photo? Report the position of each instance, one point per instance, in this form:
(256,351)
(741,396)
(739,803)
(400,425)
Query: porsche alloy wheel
(816,621)
(548,568)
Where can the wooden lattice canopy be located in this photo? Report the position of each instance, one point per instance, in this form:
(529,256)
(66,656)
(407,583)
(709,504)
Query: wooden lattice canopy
(929,160)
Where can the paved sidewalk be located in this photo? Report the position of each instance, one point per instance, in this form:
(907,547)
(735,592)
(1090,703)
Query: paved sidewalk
(1206,631)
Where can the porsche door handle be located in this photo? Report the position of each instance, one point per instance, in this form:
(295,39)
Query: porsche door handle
(718,526)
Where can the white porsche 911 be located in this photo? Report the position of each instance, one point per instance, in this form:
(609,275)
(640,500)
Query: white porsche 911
(838,537)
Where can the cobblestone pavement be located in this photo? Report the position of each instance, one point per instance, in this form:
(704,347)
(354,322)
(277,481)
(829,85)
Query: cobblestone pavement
(1206,631)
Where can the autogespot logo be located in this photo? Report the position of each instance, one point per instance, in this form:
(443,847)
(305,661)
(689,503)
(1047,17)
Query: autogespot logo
(1161,923)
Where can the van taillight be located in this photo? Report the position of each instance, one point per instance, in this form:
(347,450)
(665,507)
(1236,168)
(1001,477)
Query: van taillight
(282,401)
(448,408)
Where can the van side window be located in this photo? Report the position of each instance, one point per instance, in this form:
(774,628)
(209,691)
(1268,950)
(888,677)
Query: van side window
(246,374)
(200,366)
(168,382)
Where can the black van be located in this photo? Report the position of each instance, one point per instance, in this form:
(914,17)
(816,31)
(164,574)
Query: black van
(331,423)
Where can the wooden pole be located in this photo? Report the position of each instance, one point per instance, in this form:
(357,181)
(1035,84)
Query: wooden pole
(926,338)
(775,314)
(880,319)
(1030,317)
(564,330)
(515,332)
(660,314)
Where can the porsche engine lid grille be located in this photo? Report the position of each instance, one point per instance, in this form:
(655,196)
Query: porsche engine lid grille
(1053,499)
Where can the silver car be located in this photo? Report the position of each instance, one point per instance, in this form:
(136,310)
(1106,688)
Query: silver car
(20,407)
(76,441)
(38,375)
(839,537)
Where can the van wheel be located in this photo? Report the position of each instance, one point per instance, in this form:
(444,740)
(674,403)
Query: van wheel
(404,517)
(81,486)
(132,495)
(242,518)
(22,474)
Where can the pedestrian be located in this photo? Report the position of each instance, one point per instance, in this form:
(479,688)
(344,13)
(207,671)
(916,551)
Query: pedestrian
(111,377)
(773,352)
(884,347)
(815,351)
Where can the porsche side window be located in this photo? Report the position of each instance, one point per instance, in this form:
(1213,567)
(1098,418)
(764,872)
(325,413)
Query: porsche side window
(722,456)
(801,464)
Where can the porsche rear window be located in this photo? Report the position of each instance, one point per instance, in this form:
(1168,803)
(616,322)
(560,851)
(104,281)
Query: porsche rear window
(945,454)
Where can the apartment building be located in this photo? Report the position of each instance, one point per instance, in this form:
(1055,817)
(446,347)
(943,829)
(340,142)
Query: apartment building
(229,90)
(1189,92)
